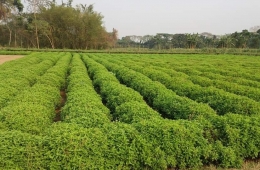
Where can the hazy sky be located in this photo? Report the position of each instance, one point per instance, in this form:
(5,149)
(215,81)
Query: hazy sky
(141,17)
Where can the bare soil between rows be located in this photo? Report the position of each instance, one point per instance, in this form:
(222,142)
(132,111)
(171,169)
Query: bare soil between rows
(62,103)
(5,58)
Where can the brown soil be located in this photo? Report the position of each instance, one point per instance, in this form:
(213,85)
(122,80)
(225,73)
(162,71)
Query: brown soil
(247,165)
(5,58)
(62,103)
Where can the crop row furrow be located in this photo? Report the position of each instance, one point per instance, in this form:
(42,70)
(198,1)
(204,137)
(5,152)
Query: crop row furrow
(238,73)
(203,69)
(17,79)
(217,130)
(250,92)
(220,100)
(196,71)
(157,95)
(33,109)
(123,101)
(171,138)
(139,137)
(84,106)
(194,76)
(21,62)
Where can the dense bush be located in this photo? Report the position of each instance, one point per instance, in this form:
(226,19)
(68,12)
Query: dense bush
(128,133)
(221,101)
(158,96)
(33,109)
(84,106)
(68,146)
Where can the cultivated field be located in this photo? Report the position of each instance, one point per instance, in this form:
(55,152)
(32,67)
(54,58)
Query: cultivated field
(5,58)
(129,111)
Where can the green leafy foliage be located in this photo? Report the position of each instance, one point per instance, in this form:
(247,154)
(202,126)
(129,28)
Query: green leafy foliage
(33,109)
(84,106)
(158,96)
(110,89)
(134,111)
(220,100)
(121,115)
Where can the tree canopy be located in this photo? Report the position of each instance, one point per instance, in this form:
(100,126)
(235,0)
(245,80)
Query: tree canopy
(243,39)
(52,25)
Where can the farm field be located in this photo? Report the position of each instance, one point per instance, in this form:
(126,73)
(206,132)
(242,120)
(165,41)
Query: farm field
(5,58)
(129,111)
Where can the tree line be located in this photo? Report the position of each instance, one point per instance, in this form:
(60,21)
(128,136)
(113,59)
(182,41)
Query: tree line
(244,39)
(46,24)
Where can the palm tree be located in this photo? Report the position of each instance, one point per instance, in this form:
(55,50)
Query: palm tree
(226,41)
(192,40)
(158,41)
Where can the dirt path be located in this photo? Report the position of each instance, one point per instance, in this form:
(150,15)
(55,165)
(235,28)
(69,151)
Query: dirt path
(5,58)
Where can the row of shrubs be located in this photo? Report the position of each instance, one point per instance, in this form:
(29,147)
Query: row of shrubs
(229,138)
(20,74)
(20,52)
(221,101)
(83,106)
(238,80)
(69,144)
(157,95)
(139,139)
(117,97)
(239,71)
(250,92)
(237,83)
(33,109)
(182,143)
(227,68)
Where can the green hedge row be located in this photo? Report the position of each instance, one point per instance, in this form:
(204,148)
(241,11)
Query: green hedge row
(69,146)
(3,52)
(156,144)
(33,109)
(181,146)
(250,92)
(238,80)
(235,71)
(141,139)
(116,96)
(221,101)
(227,68)
(22,62)
(22,75)
(157,95)
(56,76)
(231,137)
(237,85)
(200,75)
(84,106)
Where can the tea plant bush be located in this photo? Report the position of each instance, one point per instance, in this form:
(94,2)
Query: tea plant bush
(126,111)
(84,106)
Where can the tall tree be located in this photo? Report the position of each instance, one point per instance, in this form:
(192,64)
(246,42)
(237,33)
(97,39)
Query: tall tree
(179,40)
(8,11)
(6,6)
(192,40)
(112,38)
(34,7)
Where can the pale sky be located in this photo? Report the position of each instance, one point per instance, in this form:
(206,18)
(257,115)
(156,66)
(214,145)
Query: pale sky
(142,17)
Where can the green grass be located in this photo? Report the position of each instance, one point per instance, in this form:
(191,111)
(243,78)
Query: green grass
(236,51)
